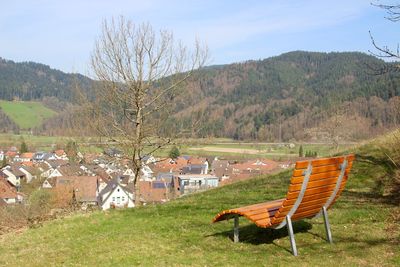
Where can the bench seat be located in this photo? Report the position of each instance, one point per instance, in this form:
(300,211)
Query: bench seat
(314,187)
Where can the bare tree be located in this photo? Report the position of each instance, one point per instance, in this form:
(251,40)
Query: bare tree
(140,72)
(384,51)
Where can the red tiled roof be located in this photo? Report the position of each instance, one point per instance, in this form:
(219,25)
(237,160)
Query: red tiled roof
(197,160)
(256,165)
(27,155)
(6,190)
(59,152)
(85,186)
(151,194)
(168,164)
(11,154)
(27,163)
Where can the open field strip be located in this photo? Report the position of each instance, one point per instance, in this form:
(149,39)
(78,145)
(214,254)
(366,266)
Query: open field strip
(236,150)
(26,114)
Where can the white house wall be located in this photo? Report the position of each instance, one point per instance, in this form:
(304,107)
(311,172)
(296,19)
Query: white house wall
(118,192)
(55,173)
(12,178)
(28,175)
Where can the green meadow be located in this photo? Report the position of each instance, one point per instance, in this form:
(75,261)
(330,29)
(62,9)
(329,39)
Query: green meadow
(26,114)
(365,223)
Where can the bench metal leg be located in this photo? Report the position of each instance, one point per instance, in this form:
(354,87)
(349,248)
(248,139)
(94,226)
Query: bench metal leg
(327,225)
(236,229)
(291,235)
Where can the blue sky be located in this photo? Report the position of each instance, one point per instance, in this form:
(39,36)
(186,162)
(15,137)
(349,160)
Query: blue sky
(62,33)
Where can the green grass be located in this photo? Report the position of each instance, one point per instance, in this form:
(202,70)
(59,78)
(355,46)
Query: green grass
(28,114)
(179,233)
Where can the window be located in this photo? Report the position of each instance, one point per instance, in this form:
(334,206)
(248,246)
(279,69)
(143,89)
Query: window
(123,199)
(113,199)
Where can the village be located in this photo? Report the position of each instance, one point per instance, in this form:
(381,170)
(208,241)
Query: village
(105,180)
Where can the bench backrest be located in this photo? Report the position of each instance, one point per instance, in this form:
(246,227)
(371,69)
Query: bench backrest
(314,184)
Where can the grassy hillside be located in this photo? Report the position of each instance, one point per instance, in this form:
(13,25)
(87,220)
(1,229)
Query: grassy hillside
(365,226)
(26,114)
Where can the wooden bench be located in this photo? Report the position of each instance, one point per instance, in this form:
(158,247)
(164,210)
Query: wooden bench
(314,187)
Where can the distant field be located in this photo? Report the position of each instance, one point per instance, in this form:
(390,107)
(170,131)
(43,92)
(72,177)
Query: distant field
(265,150)
(26,114)
(200,147)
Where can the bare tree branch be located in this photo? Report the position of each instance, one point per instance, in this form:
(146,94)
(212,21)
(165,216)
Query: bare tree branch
(140,72)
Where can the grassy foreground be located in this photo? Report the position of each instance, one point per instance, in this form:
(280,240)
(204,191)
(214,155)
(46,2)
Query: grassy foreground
(26,114)
(365,228)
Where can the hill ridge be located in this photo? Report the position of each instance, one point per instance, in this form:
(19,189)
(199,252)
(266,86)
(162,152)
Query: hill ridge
(293,96)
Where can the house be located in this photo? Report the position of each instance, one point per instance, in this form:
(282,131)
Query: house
(44,169)
(8,194)
(171,165)
(10,154)
(13,176)
(221,168)
(55,163)
(83,189)
(195,169)
(30,172)
(61,171)
(115,195)
(60,154)
(48,183)
(164,176)
(67,170)
(25,157)
(149,160)
(39,156)
(147,173)
(156,191)
(256,166)
(197,160)
(128,172)
(189,183)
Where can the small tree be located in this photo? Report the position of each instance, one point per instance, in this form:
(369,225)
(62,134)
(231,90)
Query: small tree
(140,72)
(71,150)
(23,148)
(174,153)
(301,152)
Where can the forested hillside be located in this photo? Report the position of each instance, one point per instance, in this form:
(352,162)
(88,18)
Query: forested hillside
(298,95)
(294,96)
(33,81)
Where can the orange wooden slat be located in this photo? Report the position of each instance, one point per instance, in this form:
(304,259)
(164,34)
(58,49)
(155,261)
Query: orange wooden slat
(318,176)
(309,198)
(321,169)
(318,183)
(262,215)
(261,211)
(323,161)
(307,203)
(312,191)
(321,185)
(262,205)
(301,210)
